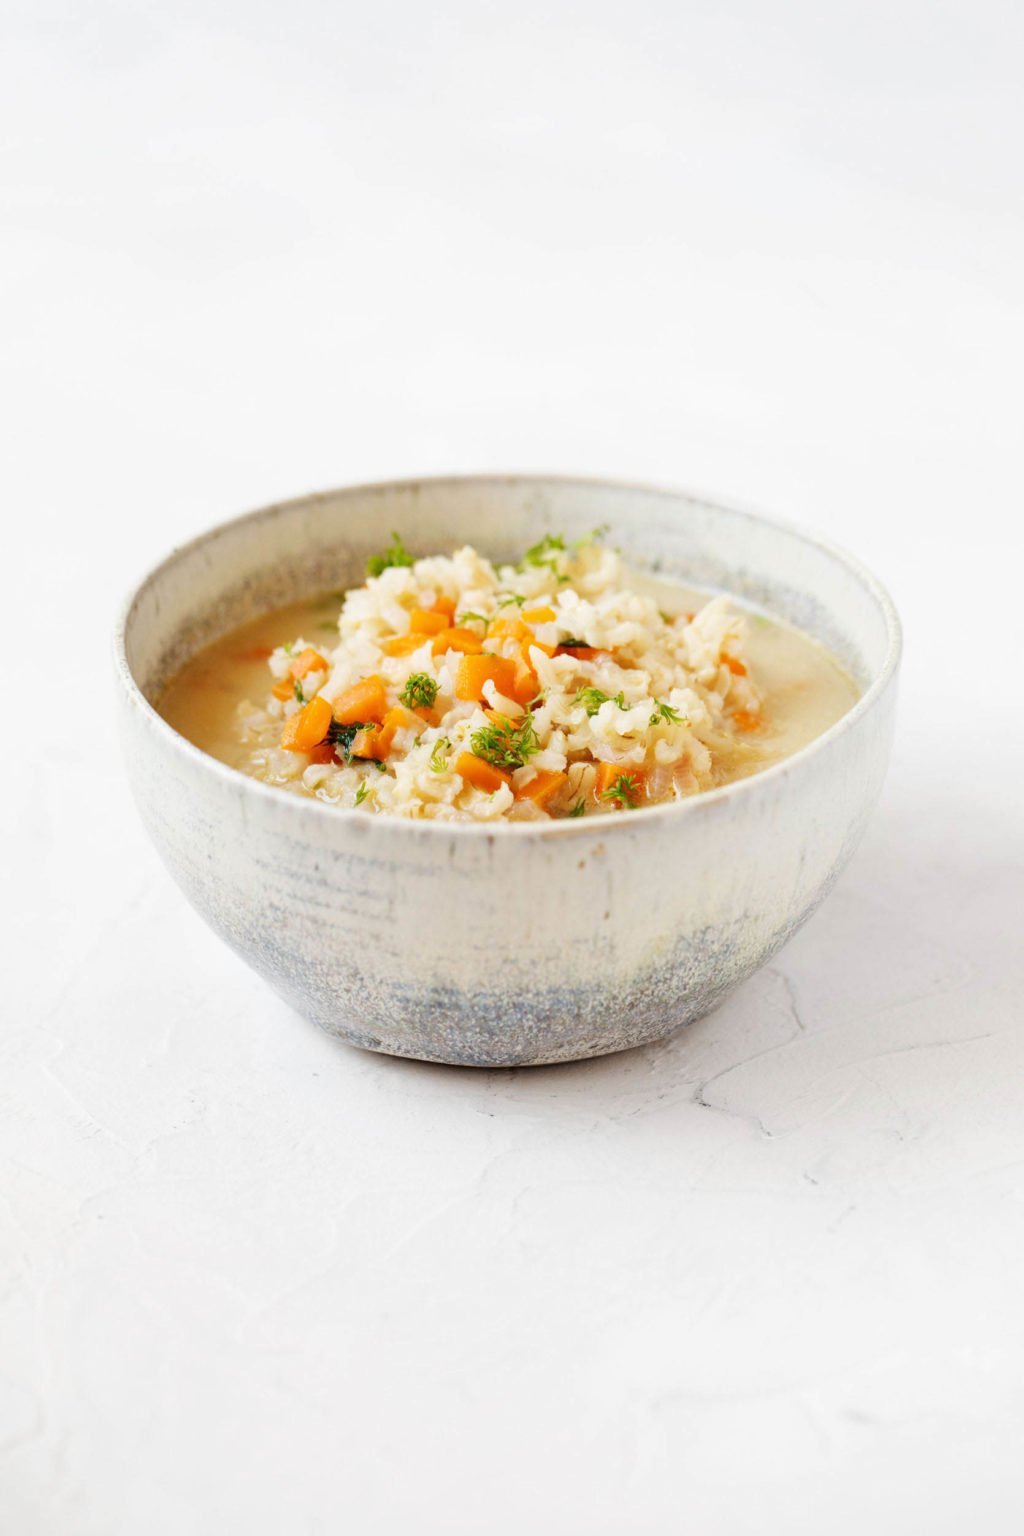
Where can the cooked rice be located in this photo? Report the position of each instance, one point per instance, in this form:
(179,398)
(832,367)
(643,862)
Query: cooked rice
(665,701)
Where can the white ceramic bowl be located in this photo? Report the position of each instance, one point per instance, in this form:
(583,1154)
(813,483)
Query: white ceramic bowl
(512,944)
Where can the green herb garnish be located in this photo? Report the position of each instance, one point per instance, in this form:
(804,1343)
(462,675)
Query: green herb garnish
(438,758)
(511,597)
(419,692)
(573,645)
(624,791)
(341,737)
(665,713)
(506,743)
(579,809)
(297,690)
(362,791)
(544,553)
(592,537)
(395,554)
(477,617)
(593,698)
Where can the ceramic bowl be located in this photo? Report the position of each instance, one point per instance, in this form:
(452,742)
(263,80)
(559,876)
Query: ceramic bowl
(518,943)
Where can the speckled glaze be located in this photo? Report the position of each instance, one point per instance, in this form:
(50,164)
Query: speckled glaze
(514,944)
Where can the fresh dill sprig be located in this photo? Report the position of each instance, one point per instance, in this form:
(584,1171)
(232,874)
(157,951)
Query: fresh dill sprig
(297,690)
(506,743)
(544,553)
(511,597)
(665,714)
(341,737)
(470,615)
(593,698)
(438,757)
(362,791)
(419,692)
(579,809)
(593,536)
(624,791)
(395,554)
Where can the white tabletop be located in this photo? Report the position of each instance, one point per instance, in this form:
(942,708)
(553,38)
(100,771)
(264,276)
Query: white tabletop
(764,1277)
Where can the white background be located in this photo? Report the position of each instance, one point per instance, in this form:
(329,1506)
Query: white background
(765,1278)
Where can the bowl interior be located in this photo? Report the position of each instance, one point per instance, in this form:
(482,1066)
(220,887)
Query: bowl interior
(245,567)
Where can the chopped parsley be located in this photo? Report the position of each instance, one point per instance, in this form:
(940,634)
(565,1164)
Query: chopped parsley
(362,791)
(665,714)
(506,743)
(579,809)
(395,554)
(478,618)
(573,645)
(297,690)
(593,698)
(419,692)
(624,791)
(511,597)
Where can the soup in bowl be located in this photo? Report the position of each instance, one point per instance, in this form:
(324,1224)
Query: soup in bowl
(501,771)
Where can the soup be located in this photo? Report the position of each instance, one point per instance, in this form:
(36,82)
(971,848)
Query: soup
(447,688)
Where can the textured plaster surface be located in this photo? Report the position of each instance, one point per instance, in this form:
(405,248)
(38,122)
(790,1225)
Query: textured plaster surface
(245,1269)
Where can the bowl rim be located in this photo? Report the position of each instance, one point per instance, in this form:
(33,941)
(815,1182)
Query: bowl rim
(564,826)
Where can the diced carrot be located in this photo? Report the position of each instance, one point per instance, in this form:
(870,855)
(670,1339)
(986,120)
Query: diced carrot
(526,683)
(285,689)
(746,720)
(446,606)
(478,773)
(365,700)
(735,667)
(308,726)
(509,629)
(375,741)
(403,645)
(307,661)
(424,622)
(474,671)
(457,639)
(609,773)
(324,753)
(581,652)
(549,650)
(403,719)
(542,787)
(368,743)
(539,615)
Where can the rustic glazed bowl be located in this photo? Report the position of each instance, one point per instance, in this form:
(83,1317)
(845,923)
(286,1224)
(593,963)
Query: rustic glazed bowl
(518,943)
